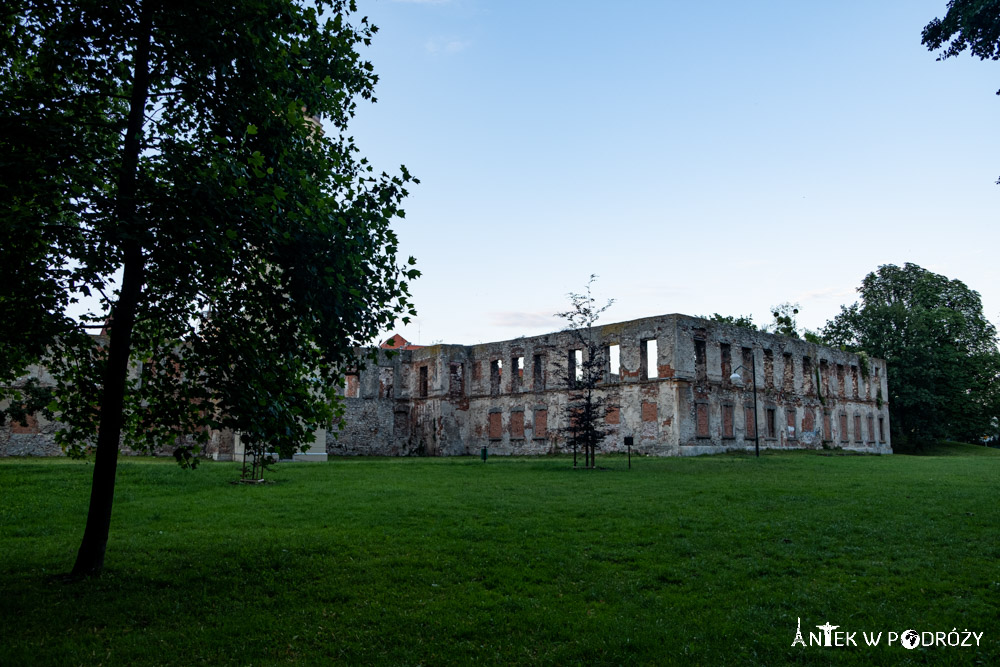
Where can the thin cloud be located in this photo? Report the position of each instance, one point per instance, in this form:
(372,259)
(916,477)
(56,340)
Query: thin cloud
(446,46)
(424,2)
(525,320)
(828,293)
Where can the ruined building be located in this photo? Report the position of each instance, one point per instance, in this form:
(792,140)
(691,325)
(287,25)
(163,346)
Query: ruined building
(667,385)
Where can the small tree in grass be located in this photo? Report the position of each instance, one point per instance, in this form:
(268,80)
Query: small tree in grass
(583,417)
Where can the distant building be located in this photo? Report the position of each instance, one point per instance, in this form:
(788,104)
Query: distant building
(667,385)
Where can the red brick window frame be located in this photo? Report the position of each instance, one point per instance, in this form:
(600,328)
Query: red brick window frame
(612,415)
(517,425)
(728,417)
(808,420)
(352,385)
(701,421)
(29,427)
(749,423)
(494,426)
(541,430)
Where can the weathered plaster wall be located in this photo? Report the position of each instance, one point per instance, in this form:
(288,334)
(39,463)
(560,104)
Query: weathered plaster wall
(510,396)
(787,394)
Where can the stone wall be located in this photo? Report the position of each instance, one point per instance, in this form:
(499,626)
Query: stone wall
(670,391)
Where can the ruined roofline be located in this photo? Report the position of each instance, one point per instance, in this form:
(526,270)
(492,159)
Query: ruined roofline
(670,320)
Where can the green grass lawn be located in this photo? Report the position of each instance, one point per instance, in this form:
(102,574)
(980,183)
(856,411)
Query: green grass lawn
(707,560)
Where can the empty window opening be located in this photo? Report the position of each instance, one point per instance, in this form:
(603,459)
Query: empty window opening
(385,382)
(748,365)
(727,362)
(575,367)
(788,373)
(539,372)
(456,379)
(770,423)
(422,389)
(700,361)
(516,373)
(769,370)
(496,376)
(881,429)
(614,363)
(651,358)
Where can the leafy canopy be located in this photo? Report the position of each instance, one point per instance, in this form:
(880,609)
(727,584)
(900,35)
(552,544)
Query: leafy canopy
(167,153)
(940,351)
(972,25)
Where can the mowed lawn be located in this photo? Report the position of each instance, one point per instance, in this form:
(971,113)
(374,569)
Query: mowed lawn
(708,560)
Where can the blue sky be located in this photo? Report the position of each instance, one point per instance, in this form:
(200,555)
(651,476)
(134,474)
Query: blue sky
(699,157)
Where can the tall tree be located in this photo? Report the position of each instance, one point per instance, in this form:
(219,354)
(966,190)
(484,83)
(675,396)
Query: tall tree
(940,351)
(972,25)
(583,417)
(166,157)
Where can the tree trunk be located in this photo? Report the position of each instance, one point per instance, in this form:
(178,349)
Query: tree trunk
(90,557)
